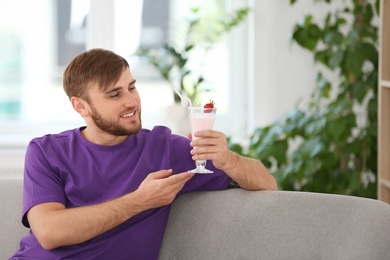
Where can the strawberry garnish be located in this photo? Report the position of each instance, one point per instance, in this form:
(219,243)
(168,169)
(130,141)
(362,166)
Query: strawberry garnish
(209,107)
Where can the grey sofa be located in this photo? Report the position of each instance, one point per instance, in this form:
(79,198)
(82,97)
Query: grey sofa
(239,224)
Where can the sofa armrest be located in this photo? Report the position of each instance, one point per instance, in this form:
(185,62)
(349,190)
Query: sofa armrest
(12,229)
(240,224)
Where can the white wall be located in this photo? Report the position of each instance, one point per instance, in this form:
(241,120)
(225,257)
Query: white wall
(282,72)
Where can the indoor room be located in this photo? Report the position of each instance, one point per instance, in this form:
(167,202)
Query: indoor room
(300,98)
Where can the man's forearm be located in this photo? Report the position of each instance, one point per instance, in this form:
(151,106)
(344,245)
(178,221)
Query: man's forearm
(58,226)
(249,173)
(54,225)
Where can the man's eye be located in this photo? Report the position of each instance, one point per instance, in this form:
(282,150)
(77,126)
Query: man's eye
(115,95)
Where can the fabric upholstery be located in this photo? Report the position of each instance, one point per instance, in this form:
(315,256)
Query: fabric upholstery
(239,224)
(11,226)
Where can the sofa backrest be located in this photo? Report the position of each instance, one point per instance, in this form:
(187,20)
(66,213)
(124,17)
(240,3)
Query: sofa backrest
(239,224)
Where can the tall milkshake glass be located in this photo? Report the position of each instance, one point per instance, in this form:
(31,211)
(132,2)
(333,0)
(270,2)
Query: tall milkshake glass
(201,119)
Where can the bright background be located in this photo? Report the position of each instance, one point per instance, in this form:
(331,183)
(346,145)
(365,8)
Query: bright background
(257,73)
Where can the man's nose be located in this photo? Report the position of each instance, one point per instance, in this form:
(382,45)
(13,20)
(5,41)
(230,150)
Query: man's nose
(130,99)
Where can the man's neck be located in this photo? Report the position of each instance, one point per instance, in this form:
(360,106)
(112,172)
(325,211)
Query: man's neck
(101,137)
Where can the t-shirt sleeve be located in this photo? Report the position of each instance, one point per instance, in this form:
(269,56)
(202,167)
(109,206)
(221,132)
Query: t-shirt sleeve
(181,161)
(41,182)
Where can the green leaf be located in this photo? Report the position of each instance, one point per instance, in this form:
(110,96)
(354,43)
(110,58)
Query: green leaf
(307,36)
(354,182)
(336,128)
(188,48)
(368,14)
(236,148)
(336,58)
(377,7)
(340,21)
(315,126)
(291,122)
(359,90)
(279,150)
(308,146)
(354,60)
(333,37)
(370,52)
(352,147)
(339,106)
(324,87)
(322,56)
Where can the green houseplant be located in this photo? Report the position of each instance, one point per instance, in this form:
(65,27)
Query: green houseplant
(198,34)
(330,146)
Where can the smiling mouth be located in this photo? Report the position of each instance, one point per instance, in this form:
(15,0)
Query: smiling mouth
(128,115)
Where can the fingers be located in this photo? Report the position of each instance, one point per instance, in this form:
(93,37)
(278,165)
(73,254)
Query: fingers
(160,174)
(161,187)
(211,145)
(209,141)
(168,178)
(184,176)
(208,133)
(209,137)
(210,153)
(176,182)
(171,183)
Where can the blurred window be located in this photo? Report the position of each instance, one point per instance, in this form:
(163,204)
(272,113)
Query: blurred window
(39,38)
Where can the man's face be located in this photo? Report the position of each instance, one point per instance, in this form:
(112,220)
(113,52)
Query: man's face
(117,110)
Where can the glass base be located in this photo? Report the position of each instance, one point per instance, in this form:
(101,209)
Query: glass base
(201,171)
(201,168)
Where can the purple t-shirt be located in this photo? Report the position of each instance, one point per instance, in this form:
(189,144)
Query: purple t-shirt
(68,169)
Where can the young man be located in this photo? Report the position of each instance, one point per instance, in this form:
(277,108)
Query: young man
(104,190)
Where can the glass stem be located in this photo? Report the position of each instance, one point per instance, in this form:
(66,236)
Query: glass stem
(201,165)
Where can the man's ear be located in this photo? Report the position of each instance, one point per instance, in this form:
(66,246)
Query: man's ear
(80,106)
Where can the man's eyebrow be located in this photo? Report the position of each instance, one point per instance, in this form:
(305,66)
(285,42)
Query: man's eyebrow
(118,88)
(112,90)
(133,82)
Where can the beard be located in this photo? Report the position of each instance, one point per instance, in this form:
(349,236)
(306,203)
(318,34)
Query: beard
(113,127)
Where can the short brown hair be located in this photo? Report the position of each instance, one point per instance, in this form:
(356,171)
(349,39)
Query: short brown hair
(99,66)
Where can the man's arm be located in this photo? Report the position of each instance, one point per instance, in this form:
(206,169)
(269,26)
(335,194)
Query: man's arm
(250,174)
(54,225)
